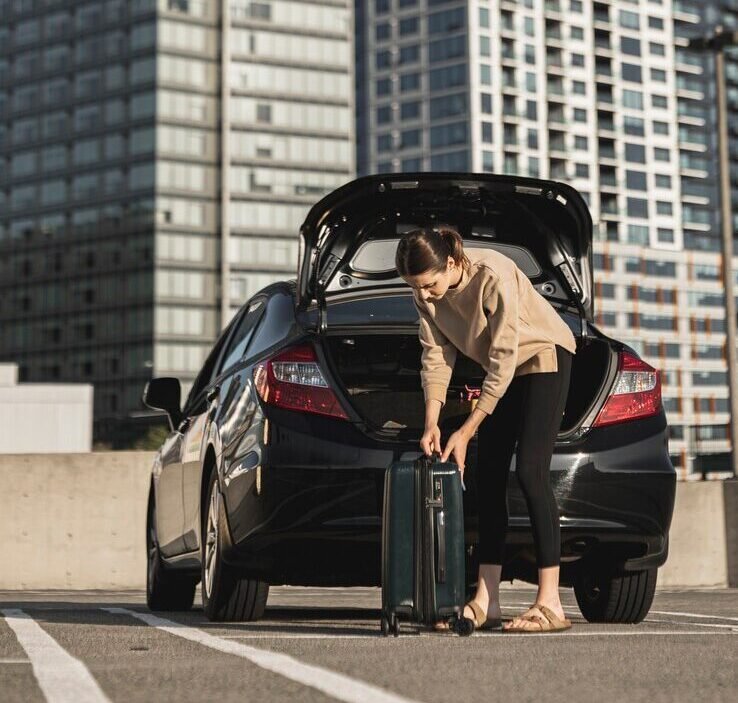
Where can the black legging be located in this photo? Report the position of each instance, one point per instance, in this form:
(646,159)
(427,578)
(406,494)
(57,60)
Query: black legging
(530,411)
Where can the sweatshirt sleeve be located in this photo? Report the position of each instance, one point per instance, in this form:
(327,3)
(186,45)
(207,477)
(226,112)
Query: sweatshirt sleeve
(437,359)
(501,304)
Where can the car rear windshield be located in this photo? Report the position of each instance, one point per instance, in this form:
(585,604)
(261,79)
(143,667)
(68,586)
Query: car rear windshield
(394,309)
(398,310)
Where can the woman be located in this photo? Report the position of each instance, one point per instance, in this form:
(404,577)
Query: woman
(488,309)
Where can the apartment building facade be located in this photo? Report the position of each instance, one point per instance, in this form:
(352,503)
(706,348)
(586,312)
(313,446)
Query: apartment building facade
(157,158)
(601,94)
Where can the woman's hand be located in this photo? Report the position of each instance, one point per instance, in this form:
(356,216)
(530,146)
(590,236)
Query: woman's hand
(431,440)
(457,444)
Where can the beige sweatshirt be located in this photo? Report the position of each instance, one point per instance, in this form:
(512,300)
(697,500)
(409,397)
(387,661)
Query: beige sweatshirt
(497,318)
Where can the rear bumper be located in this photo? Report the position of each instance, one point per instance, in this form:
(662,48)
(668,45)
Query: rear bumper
(316,519)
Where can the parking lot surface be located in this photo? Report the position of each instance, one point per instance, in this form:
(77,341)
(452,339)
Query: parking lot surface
(324,644)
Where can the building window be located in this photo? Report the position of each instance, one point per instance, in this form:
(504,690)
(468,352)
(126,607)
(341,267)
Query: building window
(658,75)
(659,101)
(384,142)
(383,31)
(635,180)
(384,114)
(410,110)
(629,19)
(633,125)
(637,207)
(410,138)
(410,81)
(409,25)
(487,132)
(263,112)
(631,72)
(630,46)
(633,99)
(486,103)
(384,86)
(635,153)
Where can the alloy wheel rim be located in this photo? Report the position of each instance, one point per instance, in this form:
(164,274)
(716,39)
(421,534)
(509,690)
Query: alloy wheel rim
(211,540)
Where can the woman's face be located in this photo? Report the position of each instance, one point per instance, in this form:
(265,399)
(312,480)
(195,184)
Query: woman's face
(432,286)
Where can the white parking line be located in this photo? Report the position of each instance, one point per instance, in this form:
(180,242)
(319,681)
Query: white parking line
(509,635)
(333,684)
(15,661)
(575,611)
(693,615)
(695,624)
(614,633)
(61,677)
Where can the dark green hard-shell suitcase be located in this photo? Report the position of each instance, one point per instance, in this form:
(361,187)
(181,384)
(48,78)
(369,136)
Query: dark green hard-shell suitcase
(423,558)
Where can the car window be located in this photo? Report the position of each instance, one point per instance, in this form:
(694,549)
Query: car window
(275,325)
(394,308)
(239,341)
(208,368)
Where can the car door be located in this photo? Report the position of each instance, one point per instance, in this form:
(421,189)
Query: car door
(180,445)
(219,389)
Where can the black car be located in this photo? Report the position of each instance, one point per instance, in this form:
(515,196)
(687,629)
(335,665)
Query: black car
(273,472)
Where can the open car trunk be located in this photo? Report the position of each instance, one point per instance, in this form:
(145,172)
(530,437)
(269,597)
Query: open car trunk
(380,375)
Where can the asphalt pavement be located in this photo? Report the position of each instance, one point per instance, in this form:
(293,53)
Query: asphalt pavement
(324,644)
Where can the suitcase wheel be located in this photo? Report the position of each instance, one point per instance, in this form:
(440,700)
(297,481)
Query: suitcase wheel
(384,625)
(395,625)
(462,626)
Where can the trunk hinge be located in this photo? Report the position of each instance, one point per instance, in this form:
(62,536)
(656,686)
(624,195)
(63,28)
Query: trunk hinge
(584,337)
(322,314)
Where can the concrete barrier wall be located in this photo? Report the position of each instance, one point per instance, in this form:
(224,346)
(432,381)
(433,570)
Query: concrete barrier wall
(78,521)
(703,539)
(74,521)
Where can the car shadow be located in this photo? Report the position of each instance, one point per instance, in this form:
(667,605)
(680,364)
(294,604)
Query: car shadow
(276,621)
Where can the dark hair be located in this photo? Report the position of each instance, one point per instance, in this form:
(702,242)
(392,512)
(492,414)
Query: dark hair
(428,248)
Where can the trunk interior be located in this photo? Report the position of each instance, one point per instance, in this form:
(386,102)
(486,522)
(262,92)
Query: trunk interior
(380,374)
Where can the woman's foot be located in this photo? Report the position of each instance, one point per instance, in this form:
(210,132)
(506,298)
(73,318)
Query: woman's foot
(492,609)
(520,622)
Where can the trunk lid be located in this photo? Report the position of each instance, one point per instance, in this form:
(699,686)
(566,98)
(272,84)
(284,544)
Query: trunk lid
(349,238)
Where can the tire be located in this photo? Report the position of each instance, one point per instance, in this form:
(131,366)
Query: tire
(623,598)
(227,596)
(166,590)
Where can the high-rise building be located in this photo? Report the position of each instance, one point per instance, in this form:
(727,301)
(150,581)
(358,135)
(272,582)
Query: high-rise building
(600,94)
(156,160)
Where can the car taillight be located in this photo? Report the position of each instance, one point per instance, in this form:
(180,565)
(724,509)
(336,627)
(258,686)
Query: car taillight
(636,393)
(293,379)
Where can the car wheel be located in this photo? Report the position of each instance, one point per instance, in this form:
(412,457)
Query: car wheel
(226,594)
(165,589)
(623,598)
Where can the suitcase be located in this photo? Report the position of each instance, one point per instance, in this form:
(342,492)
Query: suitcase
(423,559)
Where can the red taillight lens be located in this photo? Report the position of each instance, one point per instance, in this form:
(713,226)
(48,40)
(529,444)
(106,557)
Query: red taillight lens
(293,379)
(636,393)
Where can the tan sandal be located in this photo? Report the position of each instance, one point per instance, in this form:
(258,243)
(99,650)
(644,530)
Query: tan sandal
(480,619)
(550,622)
